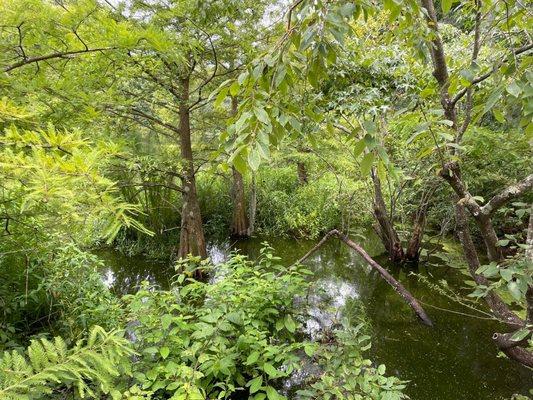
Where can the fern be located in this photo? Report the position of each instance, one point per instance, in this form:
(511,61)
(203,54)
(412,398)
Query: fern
(90,366)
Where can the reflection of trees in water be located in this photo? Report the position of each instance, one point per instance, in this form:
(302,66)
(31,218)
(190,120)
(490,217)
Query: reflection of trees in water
(124,274)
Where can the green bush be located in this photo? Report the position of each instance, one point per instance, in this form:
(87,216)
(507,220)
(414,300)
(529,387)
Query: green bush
(286,208)
(239,336)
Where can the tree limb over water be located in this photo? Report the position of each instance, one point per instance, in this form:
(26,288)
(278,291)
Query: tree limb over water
(397,286)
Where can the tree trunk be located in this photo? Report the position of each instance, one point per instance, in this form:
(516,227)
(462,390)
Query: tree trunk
(498,307)
(451,172)
(412,254)
(239,225)
(302,173)
(253,206)
(239,222)
(529,258)
(192,240)
(388,235)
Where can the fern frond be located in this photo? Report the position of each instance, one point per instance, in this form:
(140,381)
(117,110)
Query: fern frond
(87,368)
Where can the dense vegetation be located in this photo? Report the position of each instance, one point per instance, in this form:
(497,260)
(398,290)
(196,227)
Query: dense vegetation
(156,127)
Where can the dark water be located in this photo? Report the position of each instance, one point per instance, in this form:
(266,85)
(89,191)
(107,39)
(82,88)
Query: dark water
(454,360)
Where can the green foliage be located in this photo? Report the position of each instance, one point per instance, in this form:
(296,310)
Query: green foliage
(63,293)
(240,334)
(347,375)
(287,208)
(209,340)
(53,180)
(88,369)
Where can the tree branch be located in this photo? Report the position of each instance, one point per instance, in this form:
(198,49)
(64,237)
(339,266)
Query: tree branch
(488,74)
(397,286)
(507,194)
(63,54)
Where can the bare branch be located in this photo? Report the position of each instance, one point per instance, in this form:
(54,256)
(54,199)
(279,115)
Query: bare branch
(507,194)
(397,286)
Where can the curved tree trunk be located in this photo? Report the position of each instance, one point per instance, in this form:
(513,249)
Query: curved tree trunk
(192,240)
(498,307)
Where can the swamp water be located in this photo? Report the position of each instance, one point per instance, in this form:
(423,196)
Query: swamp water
(454,360)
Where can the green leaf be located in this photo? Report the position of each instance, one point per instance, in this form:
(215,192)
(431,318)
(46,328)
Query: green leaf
(164,351)
(270,370)
(506,274)
(252,358)
(366,163)
(514,289)
(272,394)
(520,334)
(255,384)
(221,96)
(347,9)
(446,5)
(166,320)
(234,88)
(262,115)
(493,99)
(513,89)
(498,115)
(254,159)
(359,148)
(289,324)
(235,317)
(310,349)
(279,75)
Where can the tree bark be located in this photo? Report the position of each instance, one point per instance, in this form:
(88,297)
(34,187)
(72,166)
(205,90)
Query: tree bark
(497,305)
(438,58)
(451,173)
(412,254)
(302,173)
(192,240)
(397,286)
(529,240)
(514,349)
(239,222)
(253,206)
(388,235)
(239,225)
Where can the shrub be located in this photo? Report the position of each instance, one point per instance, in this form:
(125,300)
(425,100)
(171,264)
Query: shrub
(239,335)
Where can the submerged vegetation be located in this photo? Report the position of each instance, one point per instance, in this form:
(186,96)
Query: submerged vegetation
(158,128)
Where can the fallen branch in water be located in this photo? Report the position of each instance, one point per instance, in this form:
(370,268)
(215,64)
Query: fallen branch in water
(397,286)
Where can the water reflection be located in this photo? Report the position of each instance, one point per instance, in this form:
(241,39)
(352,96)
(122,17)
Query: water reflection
(455,360)
(326,304)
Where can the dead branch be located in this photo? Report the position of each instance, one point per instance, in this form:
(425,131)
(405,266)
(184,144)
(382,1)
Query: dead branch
(397,286)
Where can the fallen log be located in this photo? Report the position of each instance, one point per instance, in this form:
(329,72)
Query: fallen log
(397,286)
